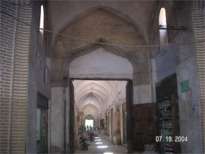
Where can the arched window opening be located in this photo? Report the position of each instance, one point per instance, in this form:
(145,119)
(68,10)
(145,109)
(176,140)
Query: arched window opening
(41,26)
(162,18)
(163,27)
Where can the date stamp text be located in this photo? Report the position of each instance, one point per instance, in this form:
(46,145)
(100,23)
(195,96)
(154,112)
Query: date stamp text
(170,139)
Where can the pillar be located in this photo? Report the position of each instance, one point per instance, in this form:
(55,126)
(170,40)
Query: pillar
(198,20)
(59,118)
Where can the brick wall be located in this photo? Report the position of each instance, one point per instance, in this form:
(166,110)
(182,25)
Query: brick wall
(198,20)
(7,38)
(15,49)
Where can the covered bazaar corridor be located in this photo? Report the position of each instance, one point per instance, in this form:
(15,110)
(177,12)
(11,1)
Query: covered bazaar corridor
(100,108)
(102,76)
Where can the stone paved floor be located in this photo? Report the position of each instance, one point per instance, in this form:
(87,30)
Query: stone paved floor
(102,145)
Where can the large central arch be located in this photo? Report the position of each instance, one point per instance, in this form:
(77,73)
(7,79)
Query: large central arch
(100,64)
(103,55)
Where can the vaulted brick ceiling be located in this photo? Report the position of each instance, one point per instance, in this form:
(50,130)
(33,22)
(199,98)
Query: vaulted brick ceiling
(99,26)
(83,25)
(76,24)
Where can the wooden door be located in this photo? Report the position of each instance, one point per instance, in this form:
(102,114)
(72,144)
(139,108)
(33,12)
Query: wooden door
(72,119)
(130,120)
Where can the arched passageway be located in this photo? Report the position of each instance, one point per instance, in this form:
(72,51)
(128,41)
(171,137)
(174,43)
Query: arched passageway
(100,89)
(131,72)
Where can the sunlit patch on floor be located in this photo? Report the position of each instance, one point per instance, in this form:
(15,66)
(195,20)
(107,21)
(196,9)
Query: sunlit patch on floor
(102,146)
(108,153)
(98,140)
(99,143)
